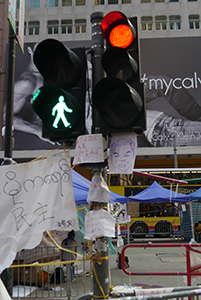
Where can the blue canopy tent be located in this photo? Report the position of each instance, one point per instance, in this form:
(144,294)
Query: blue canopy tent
(158,194)
(192,215)
(81,188)
(196,195)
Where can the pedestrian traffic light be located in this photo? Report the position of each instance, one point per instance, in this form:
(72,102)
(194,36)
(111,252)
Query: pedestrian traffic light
(119,98)
(60,103)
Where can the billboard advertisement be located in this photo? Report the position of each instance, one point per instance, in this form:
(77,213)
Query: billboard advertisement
(171,71)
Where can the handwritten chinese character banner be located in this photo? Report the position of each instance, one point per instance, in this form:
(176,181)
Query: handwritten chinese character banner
(34,197)
(90,148)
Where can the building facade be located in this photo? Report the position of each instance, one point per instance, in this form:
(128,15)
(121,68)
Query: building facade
(163,25)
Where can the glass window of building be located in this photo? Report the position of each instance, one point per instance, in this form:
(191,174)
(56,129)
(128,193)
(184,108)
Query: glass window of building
(66,2)
(18,4)
(66,26)
(80,2)
(192,0)
(145,1)
(53,27)
(112,1)
(194,21)
(53,3)
(34,27)
(173,0)
(161,22)
(17,27)
(175,22)
(80,25)
(126,1)
(34,3)
(99,2)
(157,1)
(147,23)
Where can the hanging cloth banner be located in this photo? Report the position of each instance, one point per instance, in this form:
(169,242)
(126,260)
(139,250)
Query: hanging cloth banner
(34,197)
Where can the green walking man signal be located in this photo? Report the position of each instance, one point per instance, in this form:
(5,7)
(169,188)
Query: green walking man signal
(61,107)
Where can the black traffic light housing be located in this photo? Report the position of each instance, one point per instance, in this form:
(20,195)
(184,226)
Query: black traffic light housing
(120,98)
(60,103)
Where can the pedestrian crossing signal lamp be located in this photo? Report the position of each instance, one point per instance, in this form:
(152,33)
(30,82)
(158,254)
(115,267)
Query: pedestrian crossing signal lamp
(59,110)
(60,103)
(119,98)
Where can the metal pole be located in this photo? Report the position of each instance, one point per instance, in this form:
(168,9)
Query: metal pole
(97,50)
(101,272)
(6,275)
(175,153)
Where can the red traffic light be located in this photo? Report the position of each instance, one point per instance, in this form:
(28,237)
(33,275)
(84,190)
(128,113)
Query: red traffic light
(117,30)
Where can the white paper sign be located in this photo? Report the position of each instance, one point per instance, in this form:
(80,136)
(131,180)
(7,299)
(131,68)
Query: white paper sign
(98,191)
(123,150)
(34,197)
(146,292)
(99,223)
(122,214)
(89,149)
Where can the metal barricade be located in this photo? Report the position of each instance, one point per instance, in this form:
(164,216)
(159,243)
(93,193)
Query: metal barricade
(50,278)
(190,271)
(193,293)
(185,294)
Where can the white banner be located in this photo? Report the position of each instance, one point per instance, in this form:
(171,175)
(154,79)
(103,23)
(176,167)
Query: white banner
(3,292)
(34,197)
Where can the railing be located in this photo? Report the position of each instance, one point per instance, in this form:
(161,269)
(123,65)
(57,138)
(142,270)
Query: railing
(190,271)
(50,278)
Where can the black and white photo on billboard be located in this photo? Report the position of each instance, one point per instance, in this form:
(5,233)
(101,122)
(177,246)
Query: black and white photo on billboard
(171,71)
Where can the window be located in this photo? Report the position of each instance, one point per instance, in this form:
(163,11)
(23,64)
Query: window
(159,1)
(80,26)
(53,3)
(145,1)
(126,1)
(17,26)
(53,27)
(66,2)
(173,0)
(192,0)
(80,2)
(112,1)
(66,26)
(99,2)
(161,22)
(18,4)
(34,3)
(33,27)
(175,22)
(194,21)
(146,23)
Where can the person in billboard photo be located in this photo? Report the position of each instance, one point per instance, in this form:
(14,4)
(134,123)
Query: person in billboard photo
(161,127)
(172,109)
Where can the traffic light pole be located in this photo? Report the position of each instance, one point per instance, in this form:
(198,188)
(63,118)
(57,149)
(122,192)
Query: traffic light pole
(97,48)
